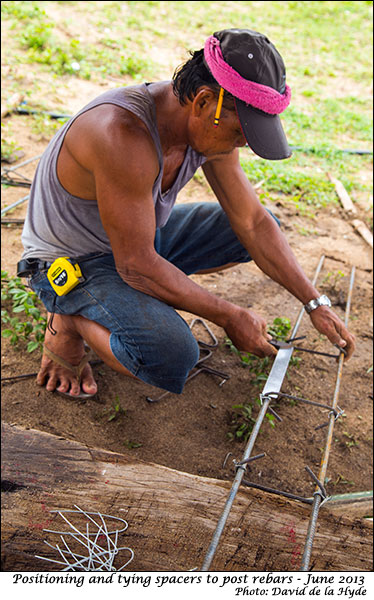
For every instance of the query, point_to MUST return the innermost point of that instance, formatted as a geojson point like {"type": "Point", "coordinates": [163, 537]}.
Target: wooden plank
{"type": "Point", "coordinates": [11, 104]}
{"type": "Point", "coordinates": [363, 231]}
{"type": "Point", "coordinates": [343, 195]}
{"type": "Point", "coordinates": [171, 515]}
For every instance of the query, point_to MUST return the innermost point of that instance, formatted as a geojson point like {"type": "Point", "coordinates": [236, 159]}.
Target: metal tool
{"type": "Point", "coordinates": [281, 344]}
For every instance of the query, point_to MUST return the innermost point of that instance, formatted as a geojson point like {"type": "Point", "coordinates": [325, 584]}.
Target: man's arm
{"type": "Point", "coordinates": [266, 244]}
{"type": "Point", "coordinates": [123, 161]}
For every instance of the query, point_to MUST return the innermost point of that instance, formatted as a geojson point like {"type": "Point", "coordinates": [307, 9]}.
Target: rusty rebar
{"type": "Point", "coordinates": [325, 457]}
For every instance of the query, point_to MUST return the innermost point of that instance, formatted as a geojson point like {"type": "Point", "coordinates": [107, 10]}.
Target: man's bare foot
{"type": "Point", "coordinates": [67, 344]}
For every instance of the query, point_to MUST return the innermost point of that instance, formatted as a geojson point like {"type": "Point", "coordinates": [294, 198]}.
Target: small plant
{"type": "Point", "coordinates": [44, 126]}
{"type": "Point", "coordinates": [36, 35]}
{"type": "Point", "coordinates": [351, 440]}
{"type": "Point", "coordinates": [9, 150]}
{"type": "Point", "coordinates": [332, 280]}
{"type": "Point", "coordinates": [241, 422]}
{"type": "Point", "coordinates": [280, 328]}
{"type": "Point", "coordinates": [115, 411]}
{"type": "Point", "coordinates": [341, 479]}
{"type": "Point", "coordinates": [130, 445]}
{"type": "Point", "coordinates": [271, 419]}
{"type": "Point", "coordinates": [17, 299]}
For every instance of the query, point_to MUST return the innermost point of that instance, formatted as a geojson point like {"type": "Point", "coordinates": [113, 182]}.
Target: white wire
{"type": "Point", "coordinates": [98, 558]}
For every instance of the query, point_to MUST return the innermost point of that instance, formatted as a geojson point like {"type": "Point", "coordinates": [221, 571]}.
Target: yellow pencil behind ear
{"type": "Point", "coordinates": [219, 107]}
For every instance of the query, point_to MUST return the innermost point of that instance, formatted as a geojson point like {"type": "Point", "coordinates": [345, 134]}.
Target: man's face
{"type": "Point", "coordinates": [210, 140]}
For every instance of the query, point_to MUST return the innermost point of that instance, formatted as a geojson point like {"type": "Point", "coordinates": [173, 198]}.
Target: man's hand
{"type": "Point", "coordinates": [247, 331]}
{"type": "Point", "coordinates": [328, 323]}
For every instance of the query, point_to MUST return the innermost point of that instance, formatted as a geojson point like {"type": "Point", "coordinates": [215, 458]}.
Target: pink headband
{"type": "Point", "coordinates": [260, 96]}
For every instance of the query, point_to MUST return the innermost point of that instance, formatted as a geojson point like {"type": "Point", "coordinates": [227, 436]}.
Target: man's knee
{"type": "Point", "coordinates": [178, 354]}
{"type": "Point", "coordinates": [164, 358]}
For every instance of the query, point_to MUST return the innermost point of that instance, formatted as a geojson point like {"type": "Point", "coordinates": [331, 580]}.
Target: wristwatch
{"type": "Point", "coordinates": [316, 302]}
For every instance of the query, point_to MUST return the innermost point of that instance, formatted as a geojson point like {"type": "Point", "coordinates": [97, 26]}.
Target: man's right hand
{"type": "Point", "coordinates": [248, 332]}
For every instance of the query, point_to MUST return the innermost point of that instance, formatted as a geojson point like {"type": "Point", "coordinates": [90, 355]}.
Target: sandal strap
{"type": "Point", "coordinates": [76, 369]}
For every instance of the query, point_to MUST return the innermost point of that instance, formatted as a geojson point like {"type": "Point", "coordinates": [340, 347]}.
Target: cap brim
{"type": "Point", "coordinates": [263, 132]}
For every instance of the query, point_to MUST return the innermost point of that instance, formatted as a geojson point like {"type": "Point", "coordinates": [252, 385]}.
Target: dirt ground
{"type": "Point", "coordinates": [189, 432]}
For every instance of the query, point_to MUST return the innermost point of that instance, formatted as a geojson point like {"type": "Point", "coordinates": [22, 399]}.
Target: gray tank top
{"type": "Point", "coordinates": [59, 224]}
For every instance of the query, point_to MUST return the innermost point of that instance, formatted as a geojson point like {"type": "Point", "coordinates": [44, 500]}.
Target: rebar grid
{"type": "Point", "coordinates": [270, 392]}
{"type": "Point", "coordinates": [97, 556]}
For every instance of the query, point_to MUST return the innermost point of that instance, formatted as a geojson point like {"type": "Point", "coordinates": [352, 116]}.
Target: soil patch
{"type": "Point", "coordinates": [188, 432]}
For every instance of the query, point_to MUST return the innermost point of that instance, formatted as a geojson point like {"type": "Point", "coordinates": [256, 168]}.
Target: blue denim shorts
{"type": "Point", "coordinates": [147, 336]}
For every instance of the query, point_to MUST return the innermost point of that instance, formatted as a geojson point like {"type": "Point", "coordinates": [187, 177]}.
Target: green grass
{"type": "Point", "coordinates": [326, 47]}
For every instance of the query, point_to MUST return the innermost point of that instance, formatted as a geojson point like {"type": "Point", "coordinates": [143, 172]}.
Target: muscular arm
{"type": "Point", "coordinates": [123, 160]}
{"type": "Point", "coordinates": [265, 242]}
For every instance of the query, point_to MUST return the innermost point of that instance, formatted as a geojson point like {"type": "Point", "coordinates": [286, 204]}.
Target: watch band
{"type": "Point", "coordinates": [316, 302]}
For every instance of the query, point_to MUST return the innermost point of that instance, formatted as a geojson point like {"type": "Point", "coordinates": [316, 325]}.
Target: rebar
{"type": "Point", "coordinates": [22, 164]}
{"type": "Point", "coordinates": [325, 457]}
{"type": "Point", "coordinates": [277, 372]}
{"type": "Point", "coordinates": [17, 203]}
{"type": "Point", "coordinates": [278, 492]}
{"type": "Point", "coordinates": [98, 557]}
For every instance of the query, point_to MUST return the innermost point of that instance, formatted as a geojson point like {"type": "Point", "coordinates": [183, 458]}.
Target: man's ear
{"type": "Point", "coordinates": [204, 99]}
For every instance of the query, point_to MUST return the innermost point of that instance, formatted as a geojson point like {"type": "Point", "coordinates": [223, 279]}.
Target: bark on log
{"type": "Point", "coordinates": [171, 515]}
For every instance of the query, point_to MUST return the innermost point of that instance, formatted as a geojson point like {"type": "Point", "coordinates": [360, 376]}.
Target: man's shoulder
{"type": "Point", "coordinates": [108, 129]}
{"type": "Point", "coordinates": [109, 118]}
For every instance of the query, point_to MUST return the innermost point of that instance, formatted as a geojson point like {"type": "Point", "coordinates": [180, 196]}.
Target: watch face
{"type": "Point", "coordinates": [325, 300]}
{"type": "Point", "coordinates": [316, 302]}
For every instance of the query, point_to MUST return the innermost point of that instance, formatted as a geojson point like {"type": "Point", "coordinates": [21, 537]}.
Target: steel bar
{"type": "Point", "coordinates": [16, 377]}
{"type": "Point", "coordinates": [278, 492]}
{"type": "Point", "coordinates": [245, 462]}
{"type": "Point", "coordinates": [12, 221]}
{"type": "Point", "coordinates": [210, 332]}
{"type": "Point", "coordinates": [234, 489]}
{"type": "Point", "coordinates": [21, 201]}
{"type": "Point", "coordinates": [301, 349]}
{"type": "Point", "coordinates": [30, 111]}
{"type": "Point", "coordinates": [324, 461]}
{"type": "Point", "coordinates": [93, 363]}
{"type": "Point", "coordinates": [18, 181]}
{"type": "Point", "coordinates": [305, 400]}
{"type": "Point", "coordinates": [22, 164]}
{"type": "Point", "coordinates": [273, 384]}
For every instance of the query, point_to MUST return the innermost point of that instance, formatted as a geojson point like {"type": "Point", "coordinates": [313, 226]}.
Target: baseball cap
{"type": "Point", "coordinates": [246, 64]}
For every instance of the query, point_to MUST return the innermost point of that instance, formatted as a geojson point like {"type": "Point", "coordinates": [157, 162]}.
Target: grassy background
{"type": "Point", "coordinates": [327, 48]}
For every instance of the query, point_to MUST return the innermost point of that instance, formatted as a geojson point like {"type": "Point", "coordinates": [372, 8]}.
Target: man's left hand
{"type": "Point", "coordinates": [328, 323]}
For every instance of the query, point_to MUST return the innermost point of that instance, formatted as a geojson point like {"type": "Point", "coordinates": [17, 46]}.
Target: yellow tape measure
{"type": "Point", "coordinates": [63, 275]}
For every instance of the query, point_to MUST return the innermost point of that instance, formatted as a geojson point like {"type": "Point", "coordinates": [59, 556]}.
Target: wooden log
{"type": "Point", "coordinates": [171, 515]}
